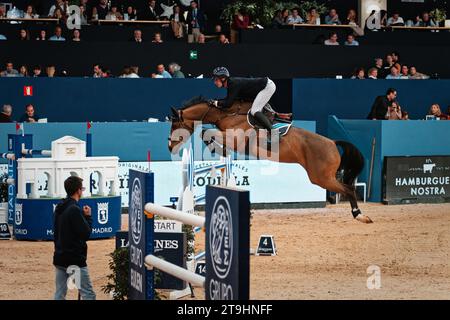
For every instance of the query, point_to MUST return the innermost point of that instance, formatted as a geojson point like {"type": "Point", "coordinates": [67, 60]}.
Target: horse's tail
{"type": "Point", "coordinates": [352, 162]}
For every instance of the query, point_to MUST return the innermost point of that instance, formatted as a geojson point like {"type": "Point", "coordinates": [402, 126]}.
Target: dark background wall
{"type": "Point", "coordinates": [282, 62]}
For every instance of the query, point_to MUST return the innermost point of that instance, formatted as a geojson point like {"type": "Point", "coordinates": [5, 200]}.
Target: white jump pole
{"type": "Point", "coordinates": [175, 270]}
{"type": "Point", "coordinates": [170, 213]}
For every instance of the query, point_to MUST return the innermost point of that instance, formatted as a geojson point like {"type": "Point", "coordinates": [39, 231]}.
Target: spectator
{"type": "Point", "coordinates": [379, 67]}
{"type": "Point", "coordinates": [83, 15]}
{"type": "Point", "coordinates": [177, 22]}
{"type": "Point", "coordinates": [175, 70]}
{"type": "Point", "coordinates": [352, 18]}
{"type": "Point", "coordinates": [395, 20]}
{"type": "Point", "coordinates": [294, 18]}
{"type": "Point", "coordinates": [332, 40]}
{"type": "Point", "coordinates": [223, 39]}
{"type": "Point", "coordinates": [29, 115]}
{"type": "Point", "coordinates": [280, 18]}
{"type": "Point", "coordinates": [58, 35]}
{"type": "Point", "coordinates": [51, 71]}
{"type": "Point", "coordinates": [24, 35]}
{"type": "Point", "coordinates": [388, 65]}
{"type": "Point", "coordinates": [405, 115]}
{"type": "Point", "coordinates": [76, 35]}
{"type": "Point", "coordinates": [381, 104]}
{"type": "Point", "coordinates": [137, 36]}
{"type": "Point", "coordinates": [372, 73]}
{"type": "Point", "coordinates": [131, 14]}
{"type": "Point", "coordinates": [394, 111]}
{"type": "Point", "coordinates": [351, 41]}
{"type": "Point", "coordinates": [313, 17]}
{"type": "Point", "coordinates": [37, 72]}
{"type": "Point", "coordinates": [201, 38]}
{"type": "Point", "coordinates": [114, 14]}
{"type": "Point", "coordinates": [72, 228]}
{"type": "Point", "coordinates": [30, 13]}
{"type": "Point", "coordinates": [195, 21]}
{"type": "Point", "coordinates": [241, 20]}
{"type": "Point", "coordinates": [23, 71]}
{"type": "Point", "coordinates": [42, 35]}
{"type": "Point", "coordinates": [129, 72]}
{"type": "Point", "coordinates": [383, 18]}
{"type": "Point", "coordinates": [59, 14]}
{"type": "Point", "coordinates": [161, 72]}
{"type": "Point", "coordinates": [100, 11]}
{"type": "Point", "coordinates": [394, 75]}
{"type": "Point", "coordinates": [426, 21]}
{"type": "Point", "coordinates": [435, 110]}
{"type": "Point", "coordinates": [149, 12]}
{"type": "Point", "coordinates": [98, 71]}
{"type": "Point", "coordinates": [2, 11]}
{"type": "Point", "coordinates": [332, 17]}
{"type": "Point", "coordinates": [396, 60]}
{"type": "Point", "coordinates": [413, 74]}
{"type": "Point", "coordinates": [59, 4]}
{"type": "Point", "coordinates": [5, 115]}
{"type": "Point", "coordinates": [359, 74]}
{"type": "Point", "coordinates": [9, 71]}
{"type": "Point", "coordinates": [134, 72]}
{"type": "Point", "coordinates": [157, 38]}
{"type": "Point", "coordinates": [404, 72]}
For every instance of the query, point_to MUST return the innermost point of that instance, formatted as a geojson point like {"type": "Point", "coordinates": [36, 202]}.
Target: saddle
{"type": "Point", "coordinates": [281, 122]}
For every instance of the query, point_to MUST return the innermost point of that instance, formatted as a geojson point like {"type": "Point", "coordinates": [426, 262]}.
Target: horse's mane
{"type": "Point", "coordinates": [193, 101]}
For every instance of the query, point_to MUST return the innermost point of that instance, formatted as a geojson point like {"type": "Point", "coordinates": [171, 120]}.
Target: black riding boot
{"type": "Point", "coordinates": [265, 122]}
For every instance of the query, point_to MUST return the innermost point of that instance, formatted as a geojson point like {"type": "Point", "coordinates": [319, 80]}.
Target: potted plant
{"type": "Point", "coordinates": [439, 15]}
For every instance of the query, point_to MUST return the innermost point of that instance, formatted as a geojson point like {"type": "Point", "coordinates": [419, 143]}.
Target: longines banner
{"type": "Point", "coordinates": [268, 182]}
{"type": "Point", "coordinates": [417, 178]}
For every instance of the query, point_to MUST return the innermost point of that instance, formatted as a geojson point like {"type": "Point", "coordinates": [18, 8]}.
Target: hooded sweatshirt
{"type": "Point", "coordinates": [71, 231]}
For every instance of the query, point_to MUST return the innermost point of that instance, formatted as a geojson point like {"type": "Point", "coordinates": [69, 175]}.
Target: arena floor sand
{"type": "Point", "coordinates": [322, 254]}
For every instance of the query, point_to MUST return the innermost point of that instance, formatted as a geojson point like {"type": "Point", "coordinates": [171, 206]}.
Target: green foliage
{"type": "Point", "coordinates": [439, 14]}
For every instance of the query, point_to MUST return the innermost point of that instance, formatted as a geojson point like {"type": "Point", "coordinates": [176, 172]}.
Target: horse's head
{"type": "Point", "coordinates": [184, 120]}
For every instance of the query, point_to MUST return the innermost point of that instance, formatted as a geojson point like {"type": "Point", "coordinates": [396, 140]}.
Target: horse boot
{"type": "Point", "coordinates": [265, 122]}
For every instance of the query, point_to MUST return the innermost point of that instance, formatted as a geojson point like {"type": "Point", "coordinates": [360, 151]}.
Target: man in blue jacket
{"type": "Point", "coordinates": [72, 228]}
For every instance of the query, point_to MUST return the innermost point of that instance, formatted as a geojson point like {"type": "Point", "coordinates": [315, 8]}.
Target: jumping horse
{"type": "Point", "coordinates": [319, 155]}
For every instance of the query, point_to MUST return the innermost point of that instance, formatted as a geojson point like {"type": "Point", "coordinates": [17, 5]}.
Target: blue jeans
{"type": "Point", "coordinates": [82, 282]}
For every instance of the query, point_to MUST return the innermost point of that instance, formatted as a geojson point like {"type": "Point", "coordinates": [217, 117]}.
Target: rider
{"type": "Point", "coordinates": [258, 90]}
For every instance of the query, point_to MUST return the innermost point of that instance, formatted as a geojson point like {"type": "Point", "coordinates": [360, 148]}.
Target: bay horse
{"type": "Point", "coordinates": [319, 155]}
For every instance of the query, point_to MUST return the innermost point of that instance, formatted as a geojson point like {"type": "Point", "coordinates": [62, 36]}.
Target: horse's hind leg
{"type": "Point", "coordinates": [334, 185]}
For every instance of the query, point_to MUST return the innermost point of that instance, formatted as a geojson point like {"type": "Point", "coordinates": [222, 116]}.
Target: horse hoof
{"type": "Point", "coordinates": [363, 218]}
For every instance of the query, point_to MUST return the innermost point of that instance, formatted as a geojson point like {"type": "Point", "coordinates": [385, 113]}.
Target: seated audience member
{"type": "Point", "coordinates": [42, 35]}
{"type": "Point", "coordinates": [114, 14]}
{"type": "Point", "coordinates": [161, 72]}
{"type": "Point", "coordinates": [218, 30]}
{"type": "Point", "coordinates": [294, 18]}
{"type": "Point", "coordinates": [280, 18]}
{"type": "Point", "coordinates": [351, 17]}
{"type": "Point", "coordinates": [372, 73]}
{"type": "Point", "coordinates": [177, 22]}
{"type": "Point", "coordinates": [9, 71]}
{"type": "Point", "coordinates": [37, 72]}
{"type": "Point", "coordinates": [131, 14]}
{"type": "Point", "coordinates": [405, 115]}
{"type": "Point", "coordinates": [426, 21]}
{"type": "Point", "coordinates": [23, 71]}
{"type": "Point", "coordinates": [29, 115]}
{"type": "Point", "coordinates": [150, 12]}
{"type": "Point", "coordinates": [24, 35]}
{"type": "Point", "coordinates": [5, 115]}
{"type": "Point", "coordinates": [359, 74]}
{"type": "Point", "coordinates": [388, 64]}
{"type": "Point", "coordinates": [30, 13]}
{"type": "Point", "coordinates": [98, 71]}
{"type": "Point", "coordinates": [100, 11]}
{"type": "Point", "coordinates": [379, 66]}
{"type": "Point", "coordinates": [83, 15]}
{"type": "Point", "coordinates": [413, 74]}
{"type": "Point", "coordinates": [241, 20]}
{"type": "Point", "coordinates": [396, 60]}
{"type": "Point", "coordinates": [129, 72]}
{"type": "Point", "coordinates": [394, 75]}
{"type": "Point", "coordinates": [58, 35]}
{"type": "Point", "coordinates": [405, 72]}
{"type": "Point", "coordinates": [201, 38]}
{"type": "Point", "coordinates": [175, 70]}
{"type": "Point", "coordinates": [59, 14]}
{"type": "Point", "coordinates": [137, 36]}
{"type": "Point", "coordinates": [381, 104]}
{"type": "Point", "coordinates": [351, 41]}
{"type": "Point", "coordinates": [134, 72]}
{"type": "Point", "coordinates": [51, 71]}
{"type": "Point", "coordinates": [157, 38]}
{"type": "Point", "coordinates": [76, 35]}
{"type": "Point", "coordinates": [313, 17]}
{"type": "Point", "coordinates": [394, 111]}
{"type": "Point", "coordinates": [435, 110]}
{"type": "Point", "coordinates": [332, 17]}
{"type": "Point", "coordinates": [332, 40]}
{"type": "Point", "coordinates": [59, 4]}
{"type": "Point", "coordinates": [223, 39]}
{"type": "Point", "coordinates": [395, 20]}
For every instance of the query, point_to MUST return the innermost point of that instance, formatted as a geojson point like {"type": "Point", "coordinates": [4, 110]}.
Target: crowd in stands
{"type": "Point", "coordinates": [391, 68]}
